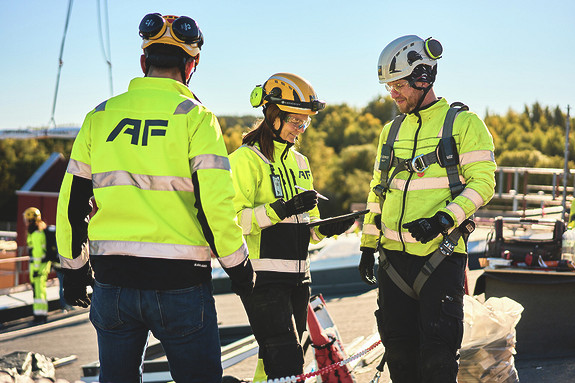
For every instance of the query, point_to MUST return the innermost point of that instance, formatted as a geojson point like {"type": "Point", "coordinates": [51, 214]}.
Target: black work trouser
{"type": "Point", "coordinates": [278, 317]}
{"type": "Point", "coordinates": [422, 337]}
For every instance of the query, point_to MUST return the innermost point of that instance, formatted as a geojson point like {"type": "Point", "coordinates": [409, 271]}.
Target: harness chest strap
{"type": "Point", "coordinates": [445, 155]}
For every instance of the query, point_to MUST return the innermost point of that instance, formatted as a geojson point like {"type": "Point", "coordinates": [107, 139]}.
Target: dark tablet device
{"type": "Point", "coordinates": [338, 218]}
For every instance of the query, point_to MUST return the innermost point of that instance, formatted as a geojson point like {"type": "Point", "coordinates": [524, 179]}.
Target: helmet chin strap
{"type": "Point", "coordinates": [425, 91]}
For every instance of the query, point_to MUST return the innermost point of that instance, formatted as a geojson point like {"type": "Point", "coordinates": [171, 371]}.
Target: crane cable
{"type": "Point", "coordinates": [106, 52]}
{"type": "Point", "coordinates": [52, 122]}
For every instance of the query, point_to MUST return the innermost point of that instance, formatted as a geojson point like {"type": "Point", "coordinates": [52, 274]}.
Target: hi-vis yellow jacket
{"type": "Point", "coordinates": [278, 249]}
{"type": "Point", "coordinates": [412, 196]}
{"type": "Point", "coordinates": [161, 181]}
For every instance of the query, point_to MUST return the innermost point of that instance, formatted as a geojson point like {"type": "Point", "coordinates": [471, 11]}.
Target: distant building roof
{"type": "Point", "coordinates": [48, 177]}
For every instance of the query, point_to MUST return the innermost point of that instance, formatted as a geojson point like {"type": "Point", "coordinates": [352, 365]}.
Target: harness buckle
{"type": "Point", "coordinates": [418, 164]}
{"type": "Point", "coordinates": [447, 246]}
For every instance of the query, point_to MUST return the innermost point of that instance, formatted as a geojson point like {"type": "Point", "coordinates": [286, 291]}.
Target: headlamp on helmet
{"type": "Point", "coordinates": [291, 93]}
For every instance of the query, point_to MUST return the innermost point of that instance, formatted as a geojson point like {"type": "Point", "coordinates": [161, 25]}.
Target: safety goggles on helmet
{"type": "Point", "coordinates": [297, 123]}
{"type": "Point", "coordinates": [181, 31]}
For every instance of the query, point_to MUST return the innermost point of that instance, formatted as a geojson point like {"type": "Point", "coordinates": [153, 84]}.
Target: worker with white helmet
{"type": "Point", "coordinates": [273, 211]}
{"type": "Point", "coordinates": [434, 168]}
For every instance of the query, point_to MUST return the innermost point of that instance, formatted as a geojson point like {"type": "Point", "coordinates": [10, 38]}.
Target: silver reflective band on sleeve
{"type": "Point", "coordinates": [186, 106]}
{"type": "Point", "coordinates": [473, 196]}
{"type": "Point", "coordinates": [394, 235]}
{"type": "Point", "coordinates": [209, 161]}
{"type": "Point", "coordinates": [423, 183]}
{"type": "Point", "coordinates": [457, 211]}
{"type": "Point", "coordinates": [235, 258]}
{"type": "Point", "coordinates": [476, 156]}
{"type": "Point", "coordinates": [76, 263]}
{"type": "Point", "coordinates": [151, 250]}
{"type": "Point", "coordinates": [79, 169]}
{"type": "Point", "coordinates": [37, 259]}
{"type": "Point", "coordinates": [280, 265]}
{"type": "Point", "coordinates": [374, 207]}
{"type": "Point", "coordinates": [142, 181]}
{"type": "Point", "coordinates": [262, 217]}
{"type": "Point", "coordinates": [300, 218]}
{"type": "Point", "coordinates": [313, 234]}
{"type": "Point", "coordinates": [371, 229]}
{"type": "Point", "coordinates": [246, 221]}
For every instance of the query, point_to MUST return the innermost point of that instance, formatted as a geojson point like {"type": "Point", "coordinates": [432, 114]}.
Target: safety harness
{"type": "Point", "coordinates": [446, 155]}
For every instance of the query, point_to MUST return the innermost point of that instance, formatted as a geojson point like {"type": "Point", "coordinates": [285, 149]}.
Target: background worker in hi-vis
{"type": "Point", "coordinates": [39, 265]}
{"type": "Point", "coordinates": [155, 161]}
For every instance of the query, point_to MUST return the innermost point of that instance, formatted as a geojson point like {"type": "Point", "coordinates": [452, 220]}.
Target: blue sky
{"type": "Point", "coordinates": [497, 54]}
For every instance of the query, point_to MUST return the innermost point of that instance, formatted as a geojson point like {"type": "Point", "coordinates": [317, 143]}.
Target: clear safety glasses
{"type": "Point", "coordinates": [183, 29]}
{"type": "Point", "coordinates": [296, 122]}
{"type": "Point", "coordinates": [398, 87]}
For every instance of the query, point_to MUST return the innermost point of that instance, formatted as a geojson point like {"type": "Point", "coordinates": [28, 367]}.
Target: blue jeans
{"type": "Point", "coordinates": [184, 321]}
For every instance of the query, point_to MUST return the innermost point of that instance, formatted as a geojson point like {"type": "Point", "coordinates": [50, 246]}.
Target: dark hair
{"type": "Point", "coordinates": [263, 131]}
{"type": "Point", "coordinates": [165, 56]}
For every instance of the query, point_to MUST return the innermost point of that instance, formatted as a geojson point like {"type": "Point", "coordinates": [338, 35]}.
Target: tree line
{"type": "Point", "coordinates": [340, 144]}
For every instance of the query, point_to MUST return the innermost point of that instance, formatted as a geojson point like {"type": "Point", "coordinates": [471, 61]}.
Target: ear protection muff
{"type": "Point", "coordinates": [433, 48]}
{"type": "Point", "coordinates": [259, 95]}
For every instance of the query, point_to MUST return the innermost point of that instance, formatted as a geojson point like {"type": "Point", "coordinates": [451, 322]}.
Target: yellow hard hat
{"type": "Point", "coordinates": [32, 214]}
{"type": "Point", "coordinates": [291, 93]}
{"type": "Point", "coordinates": [180, 31]}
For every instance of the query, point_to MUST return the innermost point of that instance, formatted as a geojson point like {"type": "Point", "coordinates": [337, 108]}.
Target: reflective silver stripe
{"type": "Point", "coordinates": [257, 151]}
{"type": "Point", "coordinates": [209, 161]}
{"type": "Point", "coordinates": [186, 106]}
{"type": "Point", "coordinates": [313, 234]}
{"type": "Point", "coordinates": [473, 196]}
{"type": "Point", "coordinates": [235, 258]}
{"type": "Point", "coordinates": [457, 211]}
{"type": "Point", "coordinates": [79, 169]}
{"type": "Point", "coordinates": [423, 183]}
{"type": "Point", "coordinates": [374, 207]}
{"type": "Point", "coordinates": [394, 235]}
{"type": "Point", "coordinates": [262, 217]}
{"type": "Point", "coordinates": [370, 228]}
{"type": "Point", "coordinates": [76, 263]}
{"type": "Point", "coordinates": [300, 218]}
{"type": "Point", "coordinates": [476, 156]}
{"type": "Point", "coordinates": [37, 259]}
{"type": "Point", "coordinates": [280, 265]}
{"type": "Point", "coordinates": [293, 85]}
{"type": "Point", "coordinates": [246, 221]}
{"type": "Point", "coordinates": [142, 181]}
{"type": "Point", "coordinates": [101, 107]}
{"type": "Point", "coordinates": [300, 159]}
{"type": "Point", "coordinates": [151, 250]}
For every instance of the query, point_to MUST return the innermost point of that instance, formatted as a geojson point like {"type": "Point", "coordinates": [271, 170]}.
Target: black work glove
{"type": "Point", "coordinates": [300, 203]}
{"type": "Point", "coordinates": [336, 228]}
{"type": "Point", "coordinates": [75, 283]}
{"type": "Point", "coordinates": [377, 221]}
{"type": "Point", "coordinates": [366, 265]}
{"type": "Point", "coordinates": [426, 229]}
{"type": "Point", "coordinates": [35, 274]}
{"type": "Point", "coordinates": [243, 278]}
